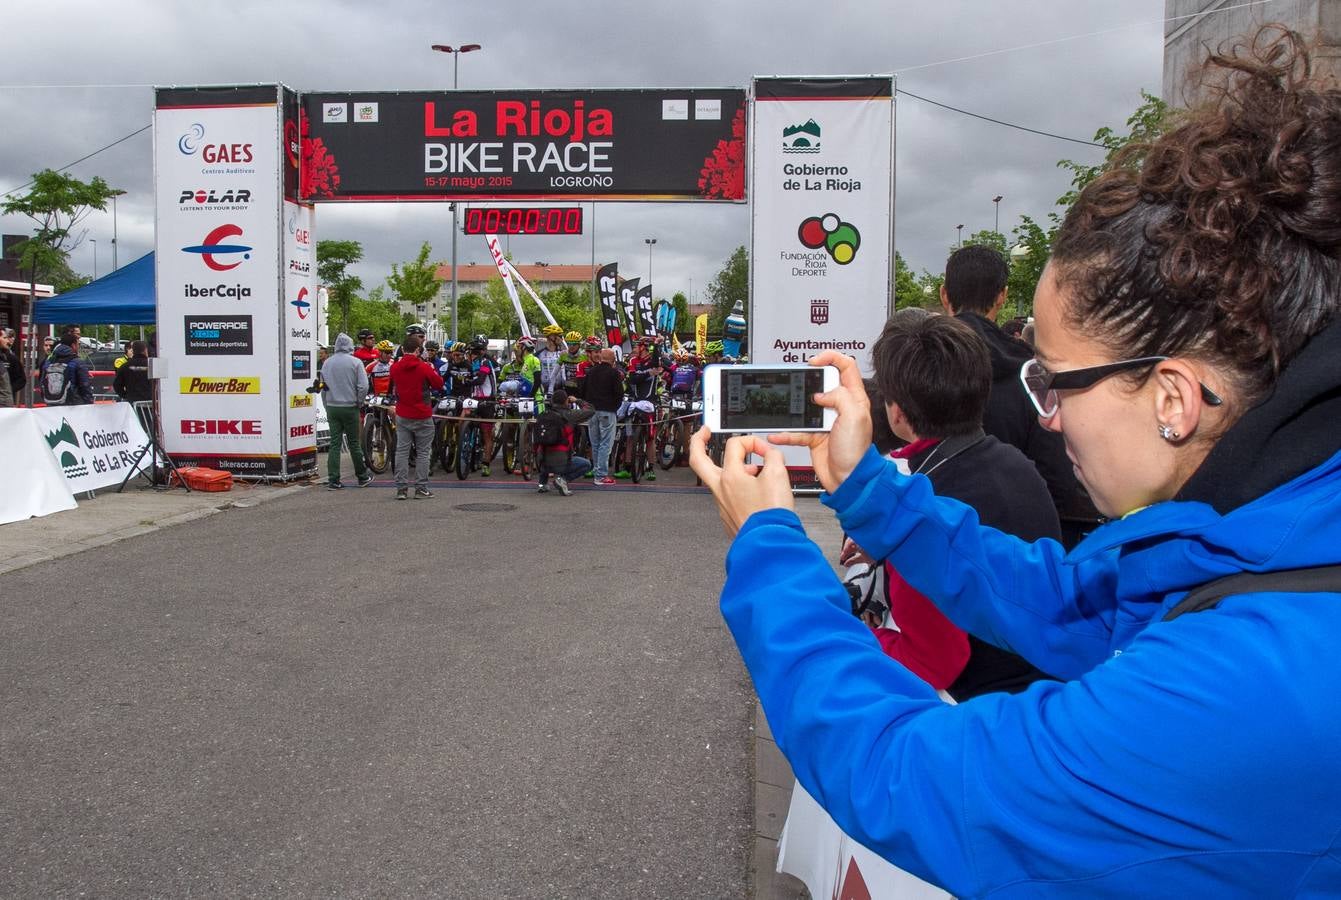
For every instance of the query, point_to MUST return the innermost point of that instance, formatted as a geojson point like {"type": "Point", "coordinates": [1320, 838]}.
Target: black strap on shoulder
{"type": "Point", "coordinates": [1323, 579]}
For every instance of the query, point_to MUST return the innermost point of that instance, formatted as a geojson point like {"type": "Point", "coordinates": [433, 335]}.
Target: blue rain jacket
{"type": "Point", "coordinates": [1194, 758]}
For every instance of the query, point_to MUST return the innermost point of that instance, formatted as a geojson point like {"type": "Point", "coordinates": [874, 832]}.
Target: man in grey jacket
{"type": "Point", "coordinates": [344, 385]}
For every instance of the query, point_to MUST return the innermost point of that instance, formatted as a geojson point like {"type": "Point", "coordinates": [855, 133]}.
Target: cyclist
{"type": "Point", "coordinates": [521, 376]}
{"type": "Point", "coordinates": [551, 354]}
{"type": "Point", "coordinates": [379, 370]}
{"type": "Point", "coordinates": [569, 363]}
{"type": "Point", "coordinates": [432, 354]}
{"type": "Point", "coordinates": [484, 386]}
{"type": "Point", "coordinates": [684, 374]}
{"type": "Point", "coordinates": [460, 377]}
{"type": "Point", "coordinates": [366, 351]}
{"type": "Point", "coordinates": [640, 391]}
{"type": "Point", "coordinates": [411, 331]}
{"type": "Point", "coordinates": [644, 357]}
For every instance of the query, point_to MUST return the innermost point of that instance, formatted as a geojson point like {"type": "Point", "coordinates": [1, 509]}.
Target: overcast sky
{"type": "Point", "coordinates": [75, 76]}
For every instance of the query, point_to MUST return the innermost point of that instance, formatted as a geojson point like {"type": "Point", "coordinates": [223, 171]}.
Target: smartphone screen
{"type": "Point", "coordinates": [780, 399]}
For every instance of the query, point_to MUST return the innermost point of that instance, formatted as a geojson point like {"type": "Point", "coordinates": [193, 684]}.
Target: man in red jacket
{"type": "Point", "coordinates": [413, 380]}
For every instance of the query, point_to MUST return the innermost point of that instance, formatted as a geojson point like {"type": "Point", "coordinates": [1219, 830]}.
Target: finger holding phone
{"type": "Point", "coordinates": [836, 452]}
{"type": "Point", "coordinates": [742, 489]}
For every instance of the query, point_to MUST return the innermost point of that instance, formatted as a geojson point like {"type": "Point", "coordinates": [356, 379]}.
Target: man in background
{"type": "Point", "coordinates": [131, 382]}
{"type": "Point", "coordinates": [11, 368]}
{"type": "Point", "coordinates": [414, 381]}
{"type": "Point", "coordinates": [345, 384]}
{"type": "Point", "coordinates": [604, 390]}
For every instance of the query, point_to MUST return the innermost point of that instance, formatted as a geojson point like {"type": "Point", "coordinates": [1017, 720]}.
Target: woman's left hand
{"type": "Point", "coordinates": [742, 489]}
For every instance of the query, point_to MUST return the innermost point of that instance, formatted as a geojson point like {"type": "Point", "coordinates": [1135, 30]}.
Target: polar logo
{"type": "Point", "coordinates": [189, 142]}
{"type": "Point", "coordinates": [212, 246]}
{"type": "Point", "coordinates": [301, 303]}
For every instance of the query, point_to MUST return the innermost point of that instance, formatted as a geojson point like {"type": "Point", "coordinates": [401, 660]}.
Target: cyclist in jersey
{"type": "Point", "coordinates": [551, 354]}
{"type": "Point", "coordinates": [460, 376]}
{"type": "Point", "coordinates": [379, 370]}
{"type": "Point", "coordinates": [569, 362]}
{"type": "Point", "coordinates": [684, 374]}
{"type": "Point", "coordinates": [644, 357]}
{"type": "Point", "coordinates": [366, 351]}
{"type": "Point", "coordinates": [483, 388]}
{"type": "Point", "coordinates": [640, 391]}
{"type": "Point", "coordinates": [521, 376]}
{"type": "Point", "coordinates": [410, 331]}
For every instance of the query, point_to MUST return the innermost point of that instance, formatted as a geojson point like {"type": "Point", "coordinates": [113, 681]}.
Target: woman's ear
{"type": "Point", "coordinates": [1179, 404]}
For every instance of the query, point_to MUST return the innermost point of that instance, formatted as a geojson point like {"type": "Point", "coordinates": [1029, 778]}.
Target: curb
{"type": "Point", "coordinates": [124, 534]}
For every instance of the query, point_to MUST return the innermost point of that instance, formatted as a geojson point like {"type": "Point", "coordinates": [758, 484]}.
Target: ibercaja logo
{"type": "Point", "coordinates": [838, 238]}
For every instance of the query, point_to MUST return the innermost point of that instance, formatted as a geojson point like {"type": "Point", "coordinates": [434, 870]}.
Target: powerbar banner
{"type": "Point", "coordinates": [605, 279]}
{"type": "Point", "coordinates": [234, 347]}
{"type": "Point", "coordinates": [648, 320]}
{"type": "Point", "coordinates": [671, 144]}
{"type": "Point", "coordinates": [822, 220]}
{"type": "Point", "coordinates": [823, 216]}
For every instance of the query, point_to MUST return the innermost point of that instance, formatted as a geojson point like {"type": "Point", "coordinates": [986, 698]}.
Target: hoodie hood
{"type": "Point", "coordinates": [344, 343]}
{"type": "Point", "coordinates": [63, 353]}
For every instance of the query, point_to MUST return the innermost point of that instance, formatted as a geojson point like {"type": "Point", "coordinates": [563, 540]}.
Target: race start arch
{"type": "Point", "coordinates": [238, 169]}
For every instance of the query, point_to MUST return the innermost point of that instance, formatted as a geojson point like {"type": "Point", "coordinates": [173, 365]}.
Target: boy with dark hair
{"type": "Point", "coordinates": [65, 377]}
{"type": "Point", "coordinates": [973, 292]}
{"type": "Point", "coordinates": [934, 375]}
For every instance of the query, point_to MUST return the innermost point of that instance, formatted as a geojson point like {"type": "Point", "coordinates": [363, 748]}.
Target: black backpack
{"type": "Point", "coordinates": [1323, 579]}
{"type": "Point", "coordinates": [549, 429]}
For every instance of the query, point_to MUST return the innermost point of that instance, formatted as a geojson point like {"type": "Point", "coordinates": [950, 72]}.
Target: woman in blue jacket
{"type": "Point", "coordinates": [1189, 352]}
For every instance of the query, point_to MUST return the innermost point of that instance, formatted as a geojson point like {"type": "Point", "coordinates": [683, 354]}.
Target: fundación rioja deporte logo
{"type": "Point", "coordinates": [838, 238]}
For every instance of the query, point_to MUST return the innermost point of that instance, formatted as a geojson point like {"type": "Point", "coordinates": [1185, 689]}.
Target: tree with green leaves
{"type": "Point", "coordinates": [379, 314]}
{"type": "Point", "coordinates": [333, 260]}
{"type": "Point", "coordinates": [56, 204]}
{"type": "Point", "coordinates": [730, 284]}
{"type": "Point", "coordinates": [681, 304]}
{"type": "Point", "coordinates": [415, 283]}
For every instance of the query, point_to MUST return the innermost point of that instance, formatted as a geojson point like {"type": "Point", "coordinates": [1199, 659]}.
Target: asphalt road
{"type": "Point", "coordinates": [342, 695]}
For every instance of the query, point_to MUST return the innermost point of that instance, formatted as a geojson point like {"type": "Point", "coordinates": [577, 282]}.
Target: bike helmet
{"type": "Point", "coordinates": [365, 333]}
{"type": "Point", "coordinates": [457, 347]}
{"type": "Point", "coordinates": [592, 344]}
{"type": "Point", "coordinates": [526, 341]}
{"type": "Point", "coordinates": [432, 346]}
{"type": "Point", "coordinates": [480, 342]}
{"type": "Point", "coordinates": [729, 360]}
{"type": "Point", "coordinates": [386, 347]}
{"type": "Point", "coordinates": [689, 346]}
{"type": "Point", "coordinates": [551, 329]}
{"type": "Point", "coordinates": [573, 337]}
{"type": "Point", "coordinates": [414, 329]}
{"type": "Point", "coordinates": [647, 340]}
{"type": "Point", "coordinates": [713, 347]}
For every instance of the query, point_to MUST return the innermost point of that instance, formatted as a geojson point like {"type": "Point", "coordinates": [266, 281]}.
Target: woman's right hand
{"type": "Point", "coordinates": [834, 454]}
{"type": "Point", "coordinates": [852, 555]}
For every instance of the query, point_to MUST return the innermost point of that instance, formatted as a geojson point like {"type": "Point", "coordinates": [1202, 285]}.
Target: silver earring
{"type": "Point", "coordinates": [1168, 433]}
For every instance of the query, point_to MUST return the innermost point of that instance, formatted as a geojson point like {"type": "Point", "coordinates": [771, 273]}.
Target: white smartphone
{"type": "Point", "coordinates": [759, 398]}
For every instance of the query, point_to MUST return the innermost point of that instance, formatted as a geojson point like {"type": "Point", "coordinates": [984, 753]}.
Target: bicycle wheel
{"type": "Point", "coordinates": [638, 446]}
{"type": "Point", "coordinates": [376, 447]}
{"type": "Point", "coordinates": [509, 437]}
{"type": "Point", "coordinates": [667, 450]}
{"type": "Point", "coordinates": [525, 453]}
{"type": "Point", "coordinates": [448, 443]}
{"type": "Point", "coordinates": [466, 449]}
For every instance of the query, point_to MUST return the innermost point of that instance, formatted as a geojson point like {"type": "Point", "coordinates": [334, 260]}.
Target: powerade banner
{"type": "Point", "coordinates": [605, 279]}
{"type": "Point", "coordinates": [648, 324]}
{"type": "Point", "coordinates": [224, 309]}
{"type": "Point", "coordinates": [671, 144]}
{"type": "Point", "coordinates": [823, 217]}
{"type": "Point", "coordinates": [628, 301]}
{"type": "Point", "coordinates": [822, 207]}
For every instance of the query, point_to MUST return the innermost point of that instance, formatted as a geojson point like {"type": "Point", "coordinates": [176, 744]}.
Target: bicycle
{"type": "Point", "coordinates": [641, 423]}
{"type": "Point", "coordinates": [470, 447]}
{"type": "Point", "coordinates": [379, 433]}
{"type": "Point", "coordinates": [518, 451]}
{"type": "Point", "coordinates": [447, 435]}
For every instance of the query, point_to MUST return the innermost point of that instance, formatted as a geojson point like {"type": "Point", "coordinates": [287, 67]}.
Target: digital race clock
{"type": "Point", "coordinates": [524, 220]}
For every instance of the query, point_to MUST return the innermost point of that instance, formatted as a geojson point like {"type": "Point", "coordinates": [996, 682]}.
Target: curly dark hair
{"type": "Point", "coordinates": [1221, 239]}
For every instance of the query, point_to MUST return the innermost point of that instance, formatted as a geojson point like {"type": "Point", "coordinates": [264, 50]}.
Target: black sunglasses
{"type": "Point", "coordinates": [1042, 386]}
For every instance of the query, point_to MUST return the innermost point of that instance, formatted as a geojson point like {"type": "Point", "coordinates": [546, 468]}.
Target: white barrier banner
{"type": "Point", "coordinates": [832, 864]}
{"type": "Point", "coordinates": [31, 483]}
{"type": "Point", "coordinates": [94, 446]}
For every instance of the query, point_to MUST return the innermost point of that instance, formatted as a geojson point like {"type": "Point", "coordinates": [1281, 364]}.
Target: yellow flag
{"type": "Point", "coordinates": [701, 332]}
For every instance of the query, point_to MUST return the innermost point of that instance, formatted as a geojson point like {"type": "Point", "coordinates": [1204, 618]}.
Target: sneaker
{"type": "Point", "coordinates": [484, 471]}
{"type": "Point", "coordinates": [623, 473]}
{"type": "Point", "coordinates": [402, 493]}
{"type": "Point", "coordinates": [650, 476]}
{"type": "Point", "coordinates": [422, 493]}
{"type": "Point", "coordinates": [606, 480]}
{"type": "Point", "coordinates": [544, 488]}
{"type": "Point", "coordinates": [333, 485]}
{"type": "Point", "coordinates": [562, 484]}
{"type": "Point", "coordinates": [589, 473]}
{"type": "Point", "coordinates": [365, 480]}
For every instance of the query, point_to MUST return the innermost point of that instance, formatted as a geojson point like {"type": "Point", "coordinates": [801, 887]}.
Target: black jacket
{"type": "Point", "coordinates": [132, 380]}
{"type": "Point", "coordinates": [1009, 495]}
{"type": "Point", "coordinates": [18, 379]}
{"type": "Point", "coordinates": [1011, 419]}
{"type": "Point", "coordinates": [604, 388]}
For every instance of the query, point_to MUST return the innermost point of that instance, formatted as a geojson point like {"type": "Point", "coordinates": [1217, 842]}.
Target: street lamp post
{"type": "Point", "coordinates": [456, 60]}
{"type": "Point", "coordinates": [996, 202]}
{"type": "Point", "coordinates": [649, 242]}
{"type": "Point", "coordinates": [960, 228]}
{"type": "Point", "coordinates": [94, 242]}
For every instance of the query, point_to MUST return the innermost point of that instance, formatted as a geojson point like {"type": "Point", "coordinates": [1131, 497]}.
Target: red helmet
{"type": "Point", "coordinates": [592, 343]}
{"type": "Point", "coordinates": [526, 341]}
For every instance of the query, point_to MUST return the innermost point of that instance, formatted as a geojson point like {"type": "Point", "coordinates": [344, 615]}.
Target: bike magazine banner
{"type": "Point", "coordinates": [664, 144]}
{"type": "Point", "coordinates": [822, 218]}
{"type": "Point", "coordinates": [606, 278]}
{"type": "Point", "coordinates": [645, 315]}
{"type": "Point", "coordinates": [226, 361]}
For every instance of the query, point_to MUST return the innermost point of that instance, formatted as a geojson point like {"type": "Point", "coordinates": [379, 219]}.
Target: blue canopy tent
{"type": "Point", "coordinates": [125, 297]}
